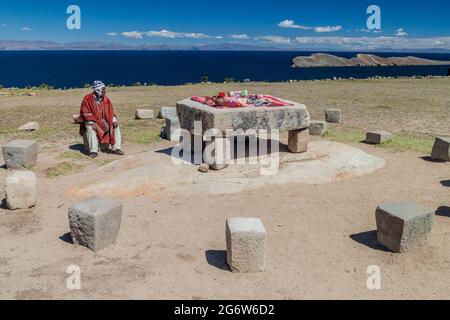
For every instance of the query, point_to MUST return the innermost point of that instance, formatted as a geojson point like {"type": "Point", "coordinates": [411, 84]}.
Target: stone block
{"type": "Point", "coordinates": [298, 141]}
{"type": "Point", "coordinates": [285, 118]}
{"type": "Point", "coordinates": [441, 149]}
{"type": "Point", "coordinates": [95, 222]}
{"type": "Point", "coordinates": [333, 115]}
{"type": "Point", "coordinates": [246, 245]}
{"type": "Point", "coordinates": [403, 225]}
{"type": "Point", "coordinates": [20, 154]}
{"type": "Point", "coordinates": [20, 190]}
{"type": "Point", "coordinates": [378, 137]}
{"type": "Point", "coordinates": [317, 128]}
{"type": "Point", "coordinates": [172, 129]}
{"type": "Point", "coordinates": [167, 112]}
{"type": "Point", "coordinates": [142, 114]}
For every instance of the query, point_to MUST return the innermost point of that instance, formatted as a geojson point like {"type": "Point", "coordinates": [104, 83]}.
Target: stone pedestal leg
{"type": "Point", "coordinates": [218, 153]}
{"type": "Point", "coordinates": [298, 140]}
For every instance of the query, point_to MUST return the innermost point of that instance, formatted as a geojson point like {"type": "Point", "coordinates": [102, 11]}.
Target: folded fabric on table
{"type": "Point", "coordinates": [223, 101]}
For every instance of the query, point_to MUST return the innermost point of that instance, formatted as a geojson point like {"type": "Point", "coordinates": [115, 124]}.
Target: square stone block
{"type": "Point", "coordinates": [285, 118]}
{"type": "Point", "coordinates": [142, 114]}
{"type": "Point", "coordinates": [172, 129]}
{"type": "Point", "coordinates": [378, 137]}
{"type": "Point", "coordinates": [20, 154]}
{"type": "Point", "coordinates": [403, 225]}
{"type": "Point", "coordinates": [167, 112]}
{"type": "Point", "coordinates": [441, 149]}
{"type": "Point", "coordinates": [298, 141]}
{"type": "Point", "coordinates": [246, 245]}
{"type": "Point", "coordinates": [95, 222]}
{"type": "Point", "coordinates": [317, 128]}
{"type": "Point", "coordinates": [20, 190]}
{"type": "Point", "coordinates": [333, 115]}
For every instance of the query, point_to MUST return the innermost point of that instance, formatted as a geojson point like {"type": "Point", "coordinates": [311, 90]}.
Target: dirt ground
{"type": "Point", "coordinates": [321, 238]}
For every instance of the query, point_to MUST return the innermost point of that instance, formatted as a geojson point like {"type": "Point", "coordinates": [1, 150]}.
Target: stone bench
{"type": "Point", "coordinates": [20, 190]}
{"type": "Point", "coordinates": [246, 245]}
{"type": "Point", "coordinates": [20, 154]}
{"type": "Point", "coordinates": [403, 225]}
{"type": "Point", "coordinates": [377, 137]}
{"type": "Point", "coordinates": [441, 149]}
{"type": "Point", "coordinates": [333, 115]}
{"type": "Point", "coordinates": [95, 222]}
{"type": "Point", "coordinates": [317, 128]}
{"type": "Point", "coordinates": [166, 112]}
{"type": "Point", "coordinates": [143, 114]}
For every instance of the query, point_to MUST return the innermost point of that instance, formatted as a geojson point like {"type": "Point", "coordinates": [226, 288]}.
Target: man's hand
{"type": "Point", "coordinates": [116, 125]}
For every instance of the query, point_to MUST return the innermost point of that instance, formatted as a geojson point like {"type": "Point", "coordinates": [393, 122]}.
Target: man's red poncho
{"type": "Point", "coordinates": [102, 115]}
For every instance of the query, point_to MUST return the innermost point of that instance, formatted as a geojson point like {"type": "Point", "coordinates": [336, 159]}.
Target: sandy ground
{"type": "Point", "coordinates": [321, 238]}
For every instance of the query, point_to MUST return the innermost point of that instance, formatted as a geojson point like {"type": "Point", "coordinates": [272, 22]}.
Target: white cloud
{"type": "Point", "coordinates": [4, 25]}
{"type": "Point", "coordinates": [173, 35]}
{"type": "Point", "coordinates": [327, 29]}
{"type": "Point", "coordinates": [26, 29]}
{"type": "Point", "coordinates": [239, 36]}
{"type": "Point", "coordinates": [274, 39]}
{"type": "Point", "coordinates": [133, 34]}
{"type": "Point", "coordinates": [374, 43]}
{"type": "Point", "coordinates": [218, 37]}
{"type": "Point", "coordinates": [112, 34]}
{"type": "Point", "coordinates": [401, 33]}
{"type": "Point", "coordinates": [290, 24]}
{"type": "Point", "coordinates": [165, 34]}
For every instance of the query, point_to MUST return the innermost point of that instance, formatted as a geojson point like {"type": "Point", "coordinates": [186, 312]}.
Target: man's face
{"type": "Point", "coordinates": [104, 92]}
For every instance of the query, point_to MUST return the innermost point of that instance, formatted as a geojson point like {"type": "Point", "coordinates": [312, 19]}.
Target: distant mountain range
{"type": "Point", "coordinates": [361, 60]}
{"type": "Point", "coordinates": [95, 45]}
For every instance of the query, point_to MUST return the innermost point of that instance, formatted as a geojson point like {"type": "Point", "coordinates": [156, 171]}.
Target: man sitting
{"type": "Point", "coordinates": [98, 122]}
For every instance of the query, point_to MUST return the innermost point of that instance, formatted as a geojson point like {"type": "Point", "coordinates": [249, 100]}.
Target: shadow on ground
{"type": "Point", "coordinates": [427, 158]}
{"type": "Point", "coordinates": [217, 258]}
{"type": "Point", "coordinates": [66, 238]}
{"type": "Point", "coordinates": [445, 183]}
{"type": "Point", "coordinates": [369, 239]}
{"type": "Point", "coordinates": [443, 212]}
{"type": "Point", "coordinates": [3, 204]}
{"type": "Point", "coordinates": [261, 149]}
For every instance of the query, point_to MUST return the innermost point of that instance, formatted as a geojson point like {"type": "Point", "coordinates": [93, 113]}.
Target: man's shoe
{"type": "Point", "coordinates": [118, 152]}
{"type": "Point", "coordinates": [93, 155]}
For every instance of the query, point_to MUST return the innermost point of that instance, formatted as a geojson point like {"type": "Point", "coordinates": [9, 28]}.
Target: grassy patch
{"type": "Point", "coordinates": [345, 136]}
{"type": "Point", "coordinates": [408, 142]}
{"type": "Point", "coordinates": [399, 142]}
{"type": "Point", "coordinates": [63, 169]}
{"type": "Point", "coordinates": [72, 155]}
{"type": "Point", "coordinates": [142, 133]}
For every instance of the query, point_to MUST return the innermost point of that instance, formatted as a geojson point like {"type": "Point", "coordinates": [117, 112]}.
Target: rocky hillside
{"type": "Point", "coordinates": [362, 60]}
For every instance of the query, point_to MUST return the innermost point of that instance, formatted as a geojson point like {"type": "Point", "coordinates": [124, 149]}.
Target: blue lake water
{"type": "Point", "coordinates": [75, 68]}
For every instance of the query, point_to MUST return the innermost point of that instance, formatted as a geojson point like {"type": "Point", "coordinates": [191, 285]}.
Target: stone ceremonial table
{"type": "Point", "coordinates": [294, 118]}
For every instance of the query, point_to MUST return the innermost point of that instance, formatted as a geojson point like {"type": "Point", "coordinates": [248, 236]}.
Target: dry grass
{"type": "Point", "coordinates": [410, 107]}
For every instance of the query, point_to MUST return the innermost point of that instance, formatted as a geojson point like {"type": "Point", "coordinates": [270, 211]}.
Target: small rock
{"type": "Point", "coordinates": [31, 126]}
{"type": "Point", "coordinates": [204, 168]}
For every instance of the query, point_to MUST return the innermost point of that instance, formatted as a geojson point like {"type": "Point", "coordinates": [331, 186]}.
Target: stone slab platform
{"type": "Point", "coordinates": [285, 118]}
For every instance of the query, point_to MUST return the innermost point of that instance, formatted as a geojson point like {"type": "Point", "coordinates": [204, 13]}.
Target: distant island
{"type": "Point", "coordinates": [361, 60]}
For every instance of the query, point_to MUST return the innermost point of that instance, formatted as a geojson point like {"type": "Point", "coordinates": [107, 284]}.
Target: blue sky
{"type": "Point", "coordinates": [300, 23]}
